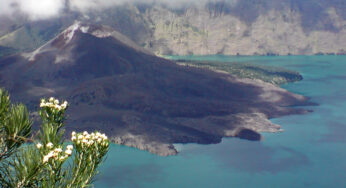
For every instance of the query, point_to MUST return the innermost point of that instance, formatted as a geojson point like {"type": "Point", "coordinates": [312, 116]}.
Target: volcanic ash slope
{"type": "Point", "coordinates": [139, 99]}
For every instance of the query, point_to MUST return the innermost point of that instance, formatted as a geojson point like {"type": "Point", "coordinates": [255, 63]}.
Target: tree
{"type": "Point", "coordinates": [46, 160]}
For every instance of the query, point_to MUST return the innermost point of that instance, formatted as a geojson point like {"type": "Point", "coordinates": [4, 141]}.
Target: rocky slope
{"type": "Point", "coordinates": [229, 27]}
{"type": "Point", "coordinates": [138, 99]}
{"type": "Point", "coordinates": [21, 35]}
{"type": "Point", "coordinates": [271, 27]}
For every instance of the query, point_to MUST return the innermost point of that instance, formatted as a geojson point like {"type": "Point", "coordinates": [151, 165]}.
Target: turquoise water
{"type": "Point", "coordinates": [311, 152]}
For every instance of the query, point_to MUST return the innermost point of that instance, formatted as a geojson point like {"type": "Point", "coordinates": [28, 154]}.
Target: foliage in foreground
{"type": "Point", "coordinates": [48, 161]}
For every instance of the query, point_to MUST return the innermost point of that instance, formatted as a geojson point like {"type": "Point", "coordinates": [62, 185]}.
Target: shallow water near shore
{"type": "Point", "coordinates": [311, 152]}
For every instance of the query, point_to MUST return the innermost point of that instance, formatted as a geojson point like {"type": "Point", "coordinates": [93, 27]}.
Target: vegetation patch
{"type": "Point", "coordinates": [269, 74]}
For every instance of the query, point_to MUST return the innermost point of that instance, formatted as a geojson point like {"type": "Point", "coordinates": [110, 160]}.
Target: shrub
{"type": "Point", "coordinates": [45, 160]}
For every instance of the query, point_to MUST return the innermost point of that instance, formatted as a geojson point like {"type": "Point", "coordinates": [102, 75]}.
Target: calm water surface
{"type": "Point", "coordinates": [311, 152]}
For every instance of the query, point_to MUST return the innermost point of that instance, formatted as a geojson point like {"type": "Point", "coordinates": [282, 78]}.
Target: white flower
{"type": "Point", "coordinates": [62, 158]}
{"type": "Point", "coordinates": [73, 133]}
{"type": "Point", "coordinates": [84, 141]}
{"type": "Point", "coordinates": [55, 155]}
{"type": "Point", "coordinates": [56, 101]}
{"type": "Point", "coordinates": [63, 106]}
{"type": "Point", "coordinates": [50, 154]}
{"type": "Point", "coordinates": [39, 146]}
{"type": "Point", "coordinates": [85, 133]}
{"type": "Point", "coordinates": [45, 159]}
{"type": "Point", "coordinates": [99, 140]}
{"type": "Point", "coordinates": [73, 138]}
{"type": "Point", "coordinates": [69, 147]}
{"type": "Point", "coordinates": [57, 107]}
{"type": "Point", "coordinates": [80, 137]}
{"type": "Point", "coordinates": [68, 152]}
{"type": "Point", "coordinates": [58, 150]}
{"type": "Point", "coordinates": [51, 99]}
{"type": "Point", "coordinates": [50, 145]}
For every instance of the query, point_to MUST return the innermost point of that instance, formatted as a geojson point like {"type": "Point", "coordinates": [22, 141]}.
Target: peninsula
{"type": "Point", "coordinates": [139, 99]}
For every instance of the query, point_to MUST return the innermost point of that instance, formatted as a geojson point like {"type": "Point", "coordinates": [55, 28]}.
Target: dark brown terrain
{"type": "Point", "coordinates": [139, 99]}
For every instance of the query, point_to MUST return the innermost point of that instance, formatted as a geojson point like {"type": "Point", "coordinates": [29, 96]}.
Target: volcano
{"type": "Point", "coordinates": [139, 99]}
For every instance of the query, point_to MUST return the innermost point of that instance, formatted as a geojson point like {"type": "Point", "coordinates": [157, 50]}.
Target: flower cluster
{"type": "Point", "coordinates": [56, 153]}
{"type": "Point", "coordinates": [53, 103]}
{"type": "Point", "coordinates": [86, 140]}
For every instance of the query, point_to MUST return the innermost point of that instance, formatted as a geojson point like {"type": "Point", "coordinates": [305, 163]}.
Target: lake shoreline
{"type": "Point", "coordinates": [249, 125]}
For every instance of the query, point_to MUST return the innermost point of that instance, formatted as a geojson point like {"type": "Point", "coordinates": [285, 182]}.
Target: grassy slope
{"type": "Point", "coordinates": [265, 73]}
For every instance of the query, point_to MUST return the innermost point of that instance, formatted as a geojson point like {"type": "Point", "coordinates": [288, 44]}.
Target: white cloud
{"type": "Point", "coordinates": [86, 5]}
{"type": "Point", "coordinates": [38, 9]}
{"type": "Point", "coordinates": [43, 9]}
{"type": "Point", "coordinates": [34, 9]}
{"type": "Point", "coordinates": [5, 7]}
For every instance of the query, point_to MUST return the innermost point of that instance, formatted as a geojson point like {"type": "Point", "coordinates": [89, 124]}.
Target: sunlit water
{"type": "Point", "coordinates": [311, 152]}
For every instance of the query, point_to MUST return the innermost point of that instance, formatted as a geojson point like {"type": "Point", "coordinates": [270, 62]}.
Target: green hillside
{"type": "Point", "coordinates": [244, 70]}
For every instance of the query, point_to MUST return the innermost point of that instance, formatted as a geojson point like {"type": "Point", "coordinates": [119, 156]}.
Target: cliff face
{"type": "Point", "coordinates": [259, 27]}
{"type": "Point", "coordinates": [229, 27]}
{"type": "Point", "coordinates": [276, 32]}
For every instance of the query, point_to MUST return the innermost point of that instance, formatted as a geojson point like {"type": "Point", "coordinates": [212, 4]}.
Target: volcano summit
{"type": "Point", "coordinates": [139, 99]}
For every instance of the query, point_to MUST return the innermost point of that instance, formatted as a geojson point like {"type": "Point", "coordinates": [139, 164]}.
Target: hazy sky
{"type": "Point", "coordinates": [43, 9]}
{"type": "Point", "coordinates": [35, 9]}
